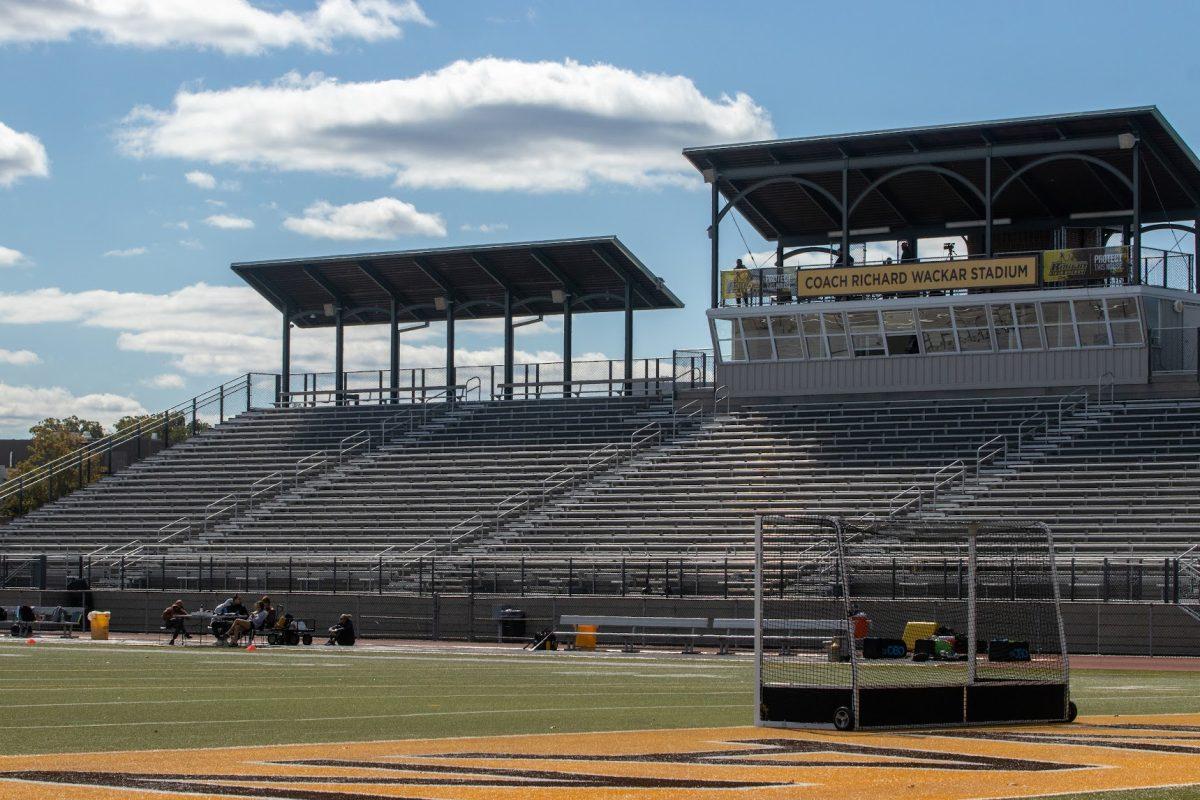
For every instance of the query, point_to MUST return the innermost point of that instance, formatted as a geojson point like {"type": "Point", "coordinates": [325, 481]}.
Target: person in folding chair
{"type": "Point", "coordinates": [173, 617]}
{"type": "Point", "coordinates": [241, 627]}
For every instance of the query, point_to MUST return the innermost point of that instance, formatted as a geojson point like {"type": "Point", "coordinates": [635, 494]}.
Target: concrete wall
{"type": "Point", "coordinates": [1105, 628]}
{"type": "Point", "coordinates": [1060, 368]}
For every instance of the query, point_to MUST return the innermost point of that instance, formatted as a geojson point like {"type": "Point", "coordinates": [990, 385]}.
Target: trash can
{"type": "Point", "coordinates": [510, 624]}
{"type": "Point", "coordinates": [99, 623]}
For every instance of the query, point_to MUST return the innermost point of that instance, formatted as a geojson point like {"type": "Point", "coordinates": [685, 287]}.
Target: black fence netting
{"type": "Point", "coordinates": [929, 623]}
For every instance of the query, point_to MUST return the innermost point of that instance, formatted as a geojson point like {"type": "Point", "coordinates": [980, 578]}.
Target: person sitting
{"type": "Point", "coordinates": [26, 616]}
{"type": "Point", "coordinates": [173, 617]}
{"type": "Point", "coordinates": [224, 615]}
{"type": "Point", "coordinates": [240, 627]}
{"type": "Point", "coordinates": [343, 632]}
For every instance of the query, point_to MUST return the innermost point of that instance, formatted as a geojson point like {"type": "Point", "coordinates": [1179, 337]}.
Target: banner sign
{"type": "Point", "coordinates": [1084, 263]}
{"type": "Point", "coordinates": [980, 273]}
{"type": "Point", "coordinates": [755, 283]}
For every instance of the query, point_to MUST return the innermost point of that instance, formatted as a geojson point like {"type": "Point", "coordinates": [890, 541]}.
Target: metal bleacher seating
{"type": "Point", "coordinates": [528, 479]}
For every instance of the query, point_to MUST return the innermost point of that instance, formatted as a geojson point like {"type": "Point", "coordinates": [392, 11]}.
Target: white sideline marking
{"type": "Point", "coordinates": [422, 695]}
{"type": "Point", "coordinates": [254, 720]}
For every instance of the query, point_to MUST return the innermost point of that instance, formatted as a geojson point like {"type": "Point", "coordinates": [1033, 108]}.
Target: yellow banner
{"type": "Point", "coordinates": [989, 273]}
{"type": "Point", "coordinates": [1084, 263]}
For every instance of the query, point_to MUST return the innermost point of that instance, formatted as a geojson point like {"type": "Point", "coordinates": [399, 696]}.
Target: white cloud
{"type": "Point", "coordinates": [19, 358]}
{"type": "Point", "coordinates": [128, 252]}
{"type": "Point", "coordinates": [487, 124]}
{"type": "Point", "coordinates": [12, 258]}
{"type": "Point", "coordinates": [22, 155]}
{"type": "Point", "coordinates": [216, 203]}
{"type": "Point", "coordinates": [201, 180]}
{"type": "Point", "coordinates": [229, 222]}
{"type": "Point", "coordinates": [485, 227]}
{"type": "Point", "coordinates": [232, 26]}
{"type": "Point", "coordinates": [167, 380]}
{"type": "Point", "coordinates": [218, 331]}
{"type": "Point", "coordinates": [191, 244]}
{"type": "Point", "coordinates": [182, 225]}
{"type": "Point", "coordinates": [382, 218]}
{"type": "Point", "coordinates": [23, 406]}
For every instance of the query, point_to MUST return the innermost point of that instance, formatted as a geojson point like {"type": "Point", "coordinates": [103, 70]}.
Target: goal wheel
{"type": "Point", "coordinates": [843, 720]}
{"type": "Point", "coordinates": [1072, 711]}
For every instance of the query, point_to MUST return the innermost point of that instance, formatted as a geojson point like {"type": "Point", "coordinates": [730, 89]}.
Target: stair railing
{"type": "Point", "coordinates": [989, 451]}
{"type": "Point", "coordinates": [218, 508]}
{"type": "Point", "coordinates": [262, 486]}
{"type": "Point", "coordinates": [1109, 380]}
{"type": "Point", "coordinates": [958, 472]}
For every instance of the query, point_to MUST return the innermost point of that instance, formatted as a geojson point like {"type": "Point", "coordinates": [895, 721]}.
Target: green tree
{"type": "Point", "coordinates": [53, 438]}
{"type": "Point", "coordinates": [180, 427]}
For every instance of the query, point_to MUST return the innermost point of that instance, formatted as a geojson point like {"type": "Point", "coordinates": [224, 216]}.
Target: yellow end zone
{"type": "Point", "coordinates": [1094, 754]}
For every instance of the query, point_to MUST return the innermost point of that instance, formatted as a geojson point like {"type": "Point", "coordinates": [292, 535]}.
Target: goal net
{"type": "Point", "coordinates": [915, 623]}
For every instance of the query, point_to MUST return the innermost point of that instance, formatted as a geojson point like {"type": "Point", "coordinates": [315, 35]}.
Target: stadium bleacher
{"type": "Point", "coordinates": [1112, 478]}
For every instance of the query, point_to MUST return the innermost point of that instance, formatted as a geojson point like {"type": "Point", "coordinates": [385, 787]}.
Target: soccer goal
{"type": "Point", "coordinates": [909, 624]}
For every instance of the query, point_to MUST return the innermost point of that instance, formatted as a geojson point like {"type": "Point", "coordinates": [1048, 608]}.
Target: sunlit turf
{"type": "Point", "coordinates": [82, 696]}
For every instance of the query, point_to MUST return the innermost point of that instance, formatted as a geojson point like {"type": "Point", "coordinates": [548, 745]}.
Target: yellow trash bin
{"type": "Point", "coordinates": [99, 623]}
{"type": "Point", "coordinates": [585, 637]}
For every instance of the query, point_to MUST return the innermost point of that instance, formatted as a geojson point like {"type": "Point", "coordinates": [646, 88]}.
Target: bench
{"type": "Point", "coordinates": [792, 629]}
{"type": "Point", "coordinates": [642, 628]}
{"type": "Point", "coordinates": [71, 619]}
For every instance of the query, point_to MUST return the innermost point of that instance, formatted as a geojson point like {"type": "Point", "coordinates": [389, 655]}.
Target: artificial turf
{"type": "Point", "coordinates": [83, 696]}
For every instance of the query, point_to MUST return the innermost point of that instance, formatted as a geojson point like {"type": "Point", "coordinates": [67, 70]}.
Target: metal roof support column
{"type": "Point", "coordinates": [567, 344]}
{"type": "Point", "coordinates": [714, 237]}
{"type": "Point", "coordinates": [1135, 250]}
{"type": "Point", "coordinates": [845, 251]}
{"type": "Point", "coordinates": [628, 337]}
{"type": "Point", "coordinates": [339, 364]}
{"type": "Point", "coordinates": [285, 360]}
{"type": "Point", "coordinates": [508, 345]}
{"type": "Point", "coordinates": [779, 253]}
{"type": "Point", "coordinates": [987, 203]}
{"type": "Point", "coordinates": [394, 351]}
{"type": "Point", "coordinates": [1194, 275]}
{"type": "Point", "coordinates": [450, 381]}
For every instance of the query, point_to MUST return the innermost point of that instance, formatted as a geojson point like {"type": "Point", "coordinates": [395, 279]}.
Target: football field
{"type": "Point", "coordinates": [482, 722]}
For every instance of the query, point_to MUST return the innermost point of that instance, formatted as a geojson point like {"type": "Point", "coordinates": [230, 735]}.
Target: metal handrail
{"type": "Point", "coordinates": [635, 442]}
{"type": "Point", "coordinates": [961, 473]}
{"type": "Point", "coordinates": [999, 445]}
{"type": "Point", "coordinates": [272, 481]}
{"type": "Point", "coordinates": [353, 442]}
{"type": "Point", "coordinates": [302, 467]}
{"type": "Point", "coordinates": [720, 393]}
{"type": "Point", "coordinates": [230, 501]}
{"type": "Point", "coordinates": [466, 388]}
{"type": "Point", "coordinates": [1028, 421]}
{"type": "Point", "coordinates": [1066, 404]}
{"type": "Point", "coordinates": [697, 407]}
{"type": "Point", "coordinates": [98, 447]}
{"type": "Point", "coordinates": [1112, 387]}
{"type": "Point", "coordinates": [894, 510]}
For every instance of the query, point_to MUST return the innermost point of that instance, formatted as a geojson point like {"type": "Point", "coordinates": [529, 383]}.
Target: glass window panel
{"type": "Point", "coordinates": [1056, 313]}
{"type": "Point", "coordinates": [790, 347]}
{"type": "Point", "coordinates": [938, 341]}
{"type": "Point", "coordinates": [834, 323]}
{"type": "Point", "coordinates": [903, 344]}
{"type": "Point", "coordinates": [759, 349]}
{"type": "Point", "coordinates": [724, 328]}
{"type": "Point", "coordinates": [1026, 313]}
{"type": "Point", "coordinates": [1002, 316]}
{"type": "Point", "coordinates": [816, 347]}
{"type": "Point", "coordinates": [727, 350]}
{"type": "Point", "coordinates": [870, 344]}
{"type": "Point", "coordinates": [755, 327]}
{"type": "Point", "coordinates": [863, 321]}
{"type": "Point", "coordinates": [1006, 339]}
{"type": "Point", "coordinates": [1031, 338]}
{"type": "Point", "coordinates": [1123, 308]}
{"type": "Point", "coordinates": [934, 318]}
{"type": "Point", "coordinates": [839, 347]}
{"type": "Point", "coordinates": [974, 339]}
{"type": "Point", "coordinates": [970, 316]}
{"type": "Point", "coordinates": [811, 324]}
{"type": "Point", "coordinates": [784, 326]}
{"type": "Point", "coordinates": [1127, 332]}
{"type": "Point", "coordinates": [1059, 337]}
{"type": "Point", "coordinates": [1089, 311]}
{"type": "Point", "coordinates": [1093, 334]}
{"type": "Point", "coordinates": [898, 321]}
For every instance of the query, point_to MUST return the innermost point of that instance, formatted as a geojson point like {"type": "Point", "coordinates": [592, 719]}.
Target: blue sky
{"type": "Point", "coordinates": [557, 119]}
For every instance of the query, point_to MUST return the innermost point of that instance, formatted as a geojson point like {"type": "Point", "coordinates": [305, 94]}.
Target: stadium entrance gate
{"type": "Point", "coordinates": [869, 626]}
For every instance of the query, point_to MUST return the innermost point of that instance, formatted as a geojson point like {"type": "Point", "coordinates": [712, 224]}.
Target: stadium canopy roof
{"type": "Point", "coordinates": [592, 272]}
{"type": "Point", "coordinates": [1044, 172]}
